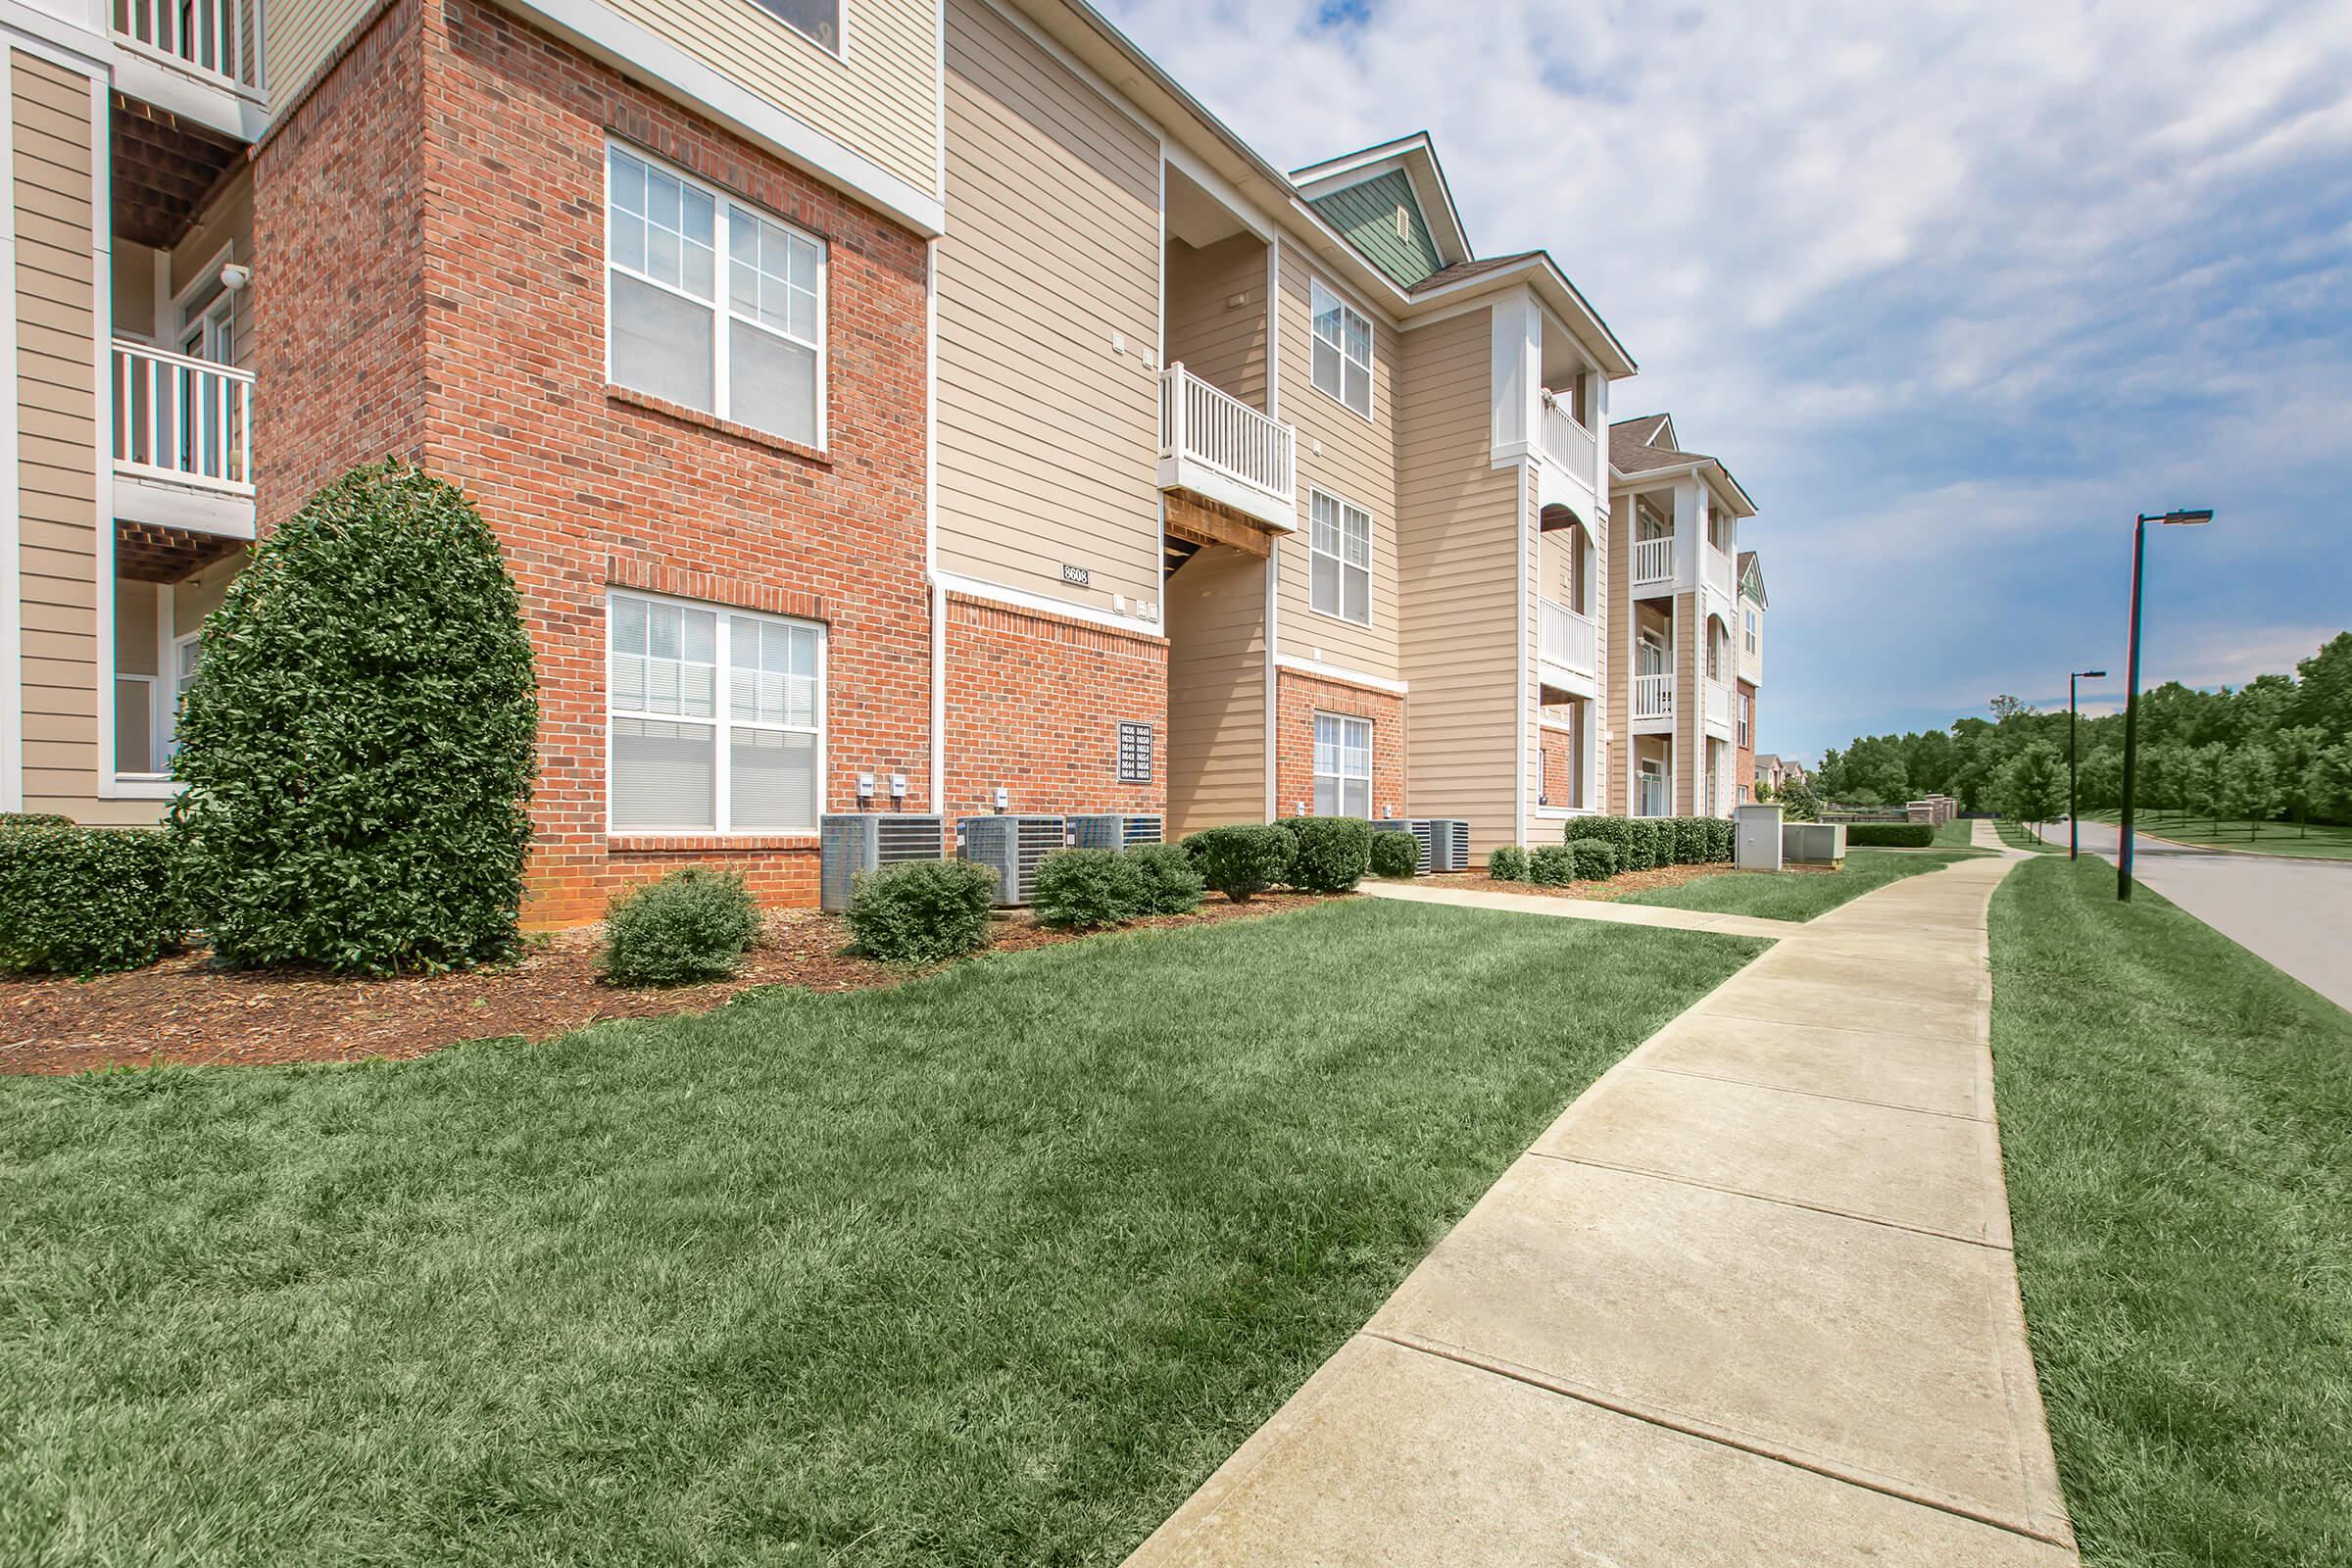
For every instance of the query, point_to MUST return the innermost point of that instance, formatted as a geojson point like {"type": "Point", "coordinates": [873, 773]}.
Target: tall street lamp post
{"type": "Point", "coordinates": [2074, 813]}
{"type": "Point", "coordinates": [2139, 545]}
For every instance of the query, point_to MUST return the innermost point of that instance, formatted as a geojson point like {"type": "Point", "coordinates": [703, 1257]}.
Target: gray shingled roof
{"type": "Point", "coordinates": [1630, 449]}
{"type": "Point", "coordinates": [1478, 268]}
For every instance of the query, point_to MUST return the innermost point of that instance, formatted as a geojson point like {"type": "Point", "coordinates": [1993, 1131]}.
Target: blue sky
{"type": "Point", "coordinates": [1955, 289]}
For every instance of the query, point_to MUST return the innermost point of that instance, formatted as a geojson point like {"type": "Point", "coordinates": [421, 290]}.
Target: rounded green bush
{"type": "Point", "coordinates": [1242, 859]}
{"type": "Point", "coordinates": [82, 900]}
{"type": "Point", "coordinates": [1638, 853]}
{"type": "Point", "coordinates": [1507, 862]}
{"type": "Point", "coordinates": [1170, 884]}
{"type": "Point", "coordinates": [1612, 830]}
{"type": "Point", "coordinates": [1552, 866]}
{"type": "Point", "coordinates": [1333, 853]}
{"type": "Point", "coordinates": [1082, 890]}
{"type": "Point", "coordinates": [1395, 854]}
{"type": "Point", "coordinates": [922, 911]}
{"type": "Point", "coordinates": [358, 748]}
{"type": "Point", "coordinates": [691, 925]}
{"type": "Point", "coordinates": [1722, 835]}
{"type": "Point", "coordinates": [1595, 859]}
{"type": "Point", "coordinates": [1691, 835]}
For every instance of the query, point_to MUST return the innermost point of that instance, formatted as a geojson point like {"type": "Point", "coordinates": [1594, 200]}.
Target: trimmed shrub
{"type": "Point", "coordinates": [1722, 835]}
{"type": "Point", "coordinates": [1890, 835]}
{"type": "Point", "coordinates": [1170, 884]}
{"type": "Point", "coordinates": [357, 746]}
{"type": "Point", "coordinates": [691, 925]}
{"type": "Point", "coordinates": [1081, 890]}
{"type": "Point", "coordinates": [1595, 859]}
{"type": "Point", "coordinates": [1333, 853]}
{"type": "Point", "coordinates": [1506, 863]}
{"type": "Point", "coordinates": [923, 912]}
{"type": "Point", "coordinates": [1614, 831]}
{"type": "Point", "coordinates": [1552, 866]}
{"type": "Point", "coordinates": [1641, 852]}
{"type": "Point", "coordinates": [1242, 859]}
{"type": "Point", "coordinates": [1397, 855]}
{"type": "Point", "coordinates": [1691, 835]}
{"type": "Point", "coordinates": [80, 900]}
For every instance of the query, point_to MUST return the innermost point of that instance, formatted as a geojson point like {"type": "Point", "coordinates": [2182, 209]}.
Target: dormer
{"type": "Point", "coordinates": [1390, 203]}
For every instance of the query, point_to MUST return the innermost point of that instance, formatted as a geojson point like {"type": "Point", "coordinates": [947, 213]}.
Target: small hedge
{"type": "Point", "coordinates": [1596, 860]}
{"type": "Point", "coordinates": [1506, 863]}
{"type": "Point", "coordinates": [1722, 835]}
{"type": "Point", "coordinates": [82, 900]}
{"type": "Point", "coordinates": [1170, 884]}
{"type": "Point", "coordinates": [691, 925]}
{"type": "Point", "coordinates": [1552, 866]}
{"type": "Point", "coordinates": [923, 912]}
{"type": "Point", "coordinates": [1242, 859]}
{"type": "Point", "coordinates": [1641, 854]}
{"type": "Point", "coordinates": [1333, 854]}
{"type": "Point", "coordinates": [1395, 854]}
{"type": "Point", "coordinates": [1615, 831]}
{"type": "Point", "coordinates": [1690, 838]}
{"type": "Point", "coordinates": [1890, 835]}
{"type": "Point", "coordinates": [1083, 889]}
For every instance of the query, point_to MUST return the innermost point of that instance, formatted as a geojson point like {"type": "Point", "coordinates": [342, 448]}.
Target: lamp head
{"type": "Point", "coordinates": [2189, 519]}
{"type": "Point", "coordinates": [2091, 674]}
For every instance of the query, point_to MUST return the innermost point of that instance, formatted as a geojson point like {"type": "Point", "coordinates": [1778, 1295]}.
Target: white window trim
{"type": "Point", "coordinates": [1317, 292]}
{"type": "Point", "coordinates": [720, 306]}
{"type": "Point", "coordinates": [1341, 779]}
{"type": "Point", "coordinates": [1345, 506]}
{"type": "Point", "coordinates": [1749, 627]}
{"type": "Point", "coordinates": [723, 724]}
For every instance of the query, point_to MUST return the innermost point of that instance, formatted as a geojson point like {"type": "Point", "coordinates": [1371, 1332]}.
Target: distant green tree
{"type": "Point", "coordinates": [2005, 708]}
{"type": "Point", "coordinates": [2208, 766]}
{"type": "Point", "coordinates": [2250, 786]}
{"type": "Point", "coordinates": [2101, 785]}
{"type": "Point", "coordinates": [1798, 802]}
{"type": "Point", "coordinates": [1930, 758]}
{"type": "Point", "coordinates": [2293, 751]}
{"type": "Point", "coordinates": [2324, 694]}
{"type": "Point", "coordinates": [2328, 782]}
{"type": "Point", "coordinates": [2033, 785]}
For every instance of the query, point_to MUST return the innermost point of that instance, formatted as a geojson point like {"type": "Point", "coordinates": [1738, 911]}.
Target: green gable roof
{"type": "Point", "coordinates": [1366, 214]}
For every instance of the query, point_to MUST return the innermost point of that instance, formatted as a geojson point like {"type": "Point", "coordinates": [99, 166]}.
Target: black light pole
{"type": "Point", "coordinates": [2074, 817]}
{"type": "Point", "coordinates": [2139, 545]}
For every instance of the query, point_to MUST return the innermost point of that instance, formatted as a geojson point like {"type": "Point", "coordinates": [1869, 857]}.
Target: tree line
{"type": "Point", "coordinates": [2277, 748]}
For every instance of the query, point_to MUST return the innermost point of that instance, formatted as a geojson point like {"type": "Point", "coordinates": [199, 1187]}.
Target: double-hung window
{"type": "Point", "coordinates": [1343, 765]}
{"type": "Point", "coordinates": [1749, 628]}
{"type": "Point", "coordinates": [1343, 350]}
{"type": "Point", "coordinates": [712, 304]}
{"type": "Point", "coordinates": [1339, 559]}
{"type": "Point", "coordinates": [717, 719]}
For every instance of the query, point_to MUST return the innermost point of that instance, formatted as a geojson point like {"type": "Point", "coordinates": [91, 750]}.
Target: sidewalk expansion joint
{"type": "Point", "coordinates": [1946, 1037]}
{"type": "Point", "coordinates": [1753, 1196]}
{"type": "Point", "coordinates": [1818, 1094]}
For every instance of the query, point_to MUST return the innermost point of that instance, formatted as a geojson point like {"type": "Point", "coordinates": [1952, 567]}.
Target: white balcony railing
{"type": "Point", "coordinates": [1567, 442]}
{"type": "Point", "coordinates": [1203, 427]}
{"type": "Point", "coordinates": [1568, 639]}
{"type": "Point", "coordinates": [1653, 696]}
{"type": "Point", "coordinates": [183, 420]}
{"type": "Point", "coordinates": [1718, 705]}
{"type": "Point", "coordinates": [215, 37]}
{"type": "Point", "coordinates": [1719, 571]}
{"type": "Point", "coordinates": [1653, 561]}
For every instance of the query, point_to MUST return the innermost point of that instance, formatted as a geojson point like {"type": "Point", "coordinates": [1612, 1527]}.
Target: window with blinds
{"type": "Point", "coordinates": [717, 719]}
{"type": "Point", "coordinates": [1343, 765]}
{"type": "Point", "coordinates": [1339, 559]}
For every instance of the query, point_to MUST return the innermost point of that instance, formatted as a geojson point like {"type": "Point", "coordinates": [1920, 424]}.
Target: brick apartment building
{"type": "Point", "coordinates": [925, 406]}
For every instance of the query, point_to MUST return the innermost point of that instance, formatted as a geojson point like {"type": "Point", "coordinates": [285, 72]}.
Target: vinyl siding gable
{"type": "Point", "coordinates": [1366, 214]}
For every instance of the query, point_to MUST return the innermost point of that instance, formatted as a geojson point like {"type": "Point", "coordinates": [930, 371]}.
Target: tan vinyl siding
{"type": "Point", "coordinates": [1687, 719]}
{"type": "Point", "coordinates": [300, 38]}
{"type": "Point", "coordinates": [1221, 342]}
{"type": "Point", "coordinates": [1463, 524]}
{"type": "Point", "coordinates": [1617, 637]}
{"type": "Point", "coordinates": [1216, 621]}
{"type": "Point", "coordinates": [228, 222]}
{"type": "Point", "coordinates": [1358, 463]}
{"type": "Point", "coordinates": [57, 453]}
{"type": "Point", "coordinates": [1047, 439]}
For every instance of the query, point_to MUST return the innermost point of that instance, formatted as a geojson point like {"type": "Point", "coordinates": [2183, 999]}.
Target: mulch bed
{"type": "Point", "coordinates": [184, 1011]}
{"type": "Point", "coordinates": [1615, 888]}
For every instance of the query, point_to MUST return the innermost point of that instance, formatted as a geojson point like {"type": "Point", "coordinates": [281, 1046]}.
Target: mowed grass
{"type": "Point", "coordinates": [2018, 836]}
{"type": "Point", "coordinates": [2318, 841]}
{"type": "Point", "coordinates": [1957, 834]}
{"type": "Point", "coordinates": [1799, 894]}
{"type": "Point", "coordinates": [993, 1268]}
{"type": "Point", "coordinates": [2176, 1128]}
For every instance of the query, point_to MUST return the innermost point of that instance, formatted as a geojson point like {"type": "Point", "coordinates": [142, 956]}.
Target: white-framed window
{"type": "Point", "coordinates": [1748, 629]}
{"type": "Point", "coordinates": [819, 20]}
{"type": "Point", "coordinates": [716, 718]}
{"type": "Point", "coordinates": [1343, 765]}
{"type": "Point", "coordinates": [1343, 350]}
{"type": "Point", "coordinates": [711, 304]}
{"type": "Point", "coordinates": [1339, 559]}
{"type": "Point", "coordinates": [187, 656]}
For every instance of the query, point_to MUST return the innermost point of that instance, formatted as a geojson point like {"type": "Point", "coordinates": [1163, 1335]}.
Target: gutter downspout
{"type": "Point", "coordinates": [938, 594]}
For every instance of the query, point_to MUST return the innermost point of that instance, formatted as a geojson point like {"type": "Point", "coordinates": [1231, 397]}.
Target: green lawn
{"type": "Point", "coordinates": [2176, 1128]}
{"type": "Point", "coordinates": [1799, 894]}
{"type": "Point", "coordinates": [2319, 841]}
{"type": "Point", "coordinates": [2018, 836]}
{"type": "Point", "coordinates": [1957, 834]}
{"type": "Point", "coordinates": [993, 1268]}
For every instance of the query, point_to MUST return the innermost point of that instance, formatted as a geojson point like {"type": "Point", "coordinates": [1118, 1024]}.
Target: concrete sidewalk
{"type": "Point", "coordinates": [1749, 1301]}
{"type": "Point", "coordinates": [1743, 925]}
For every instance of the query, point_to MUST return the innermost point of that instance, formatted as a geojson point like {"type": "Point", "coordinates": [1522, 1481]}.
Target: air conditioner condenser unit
{"type": "Point", "coordinates": [1014, 845]}
{"type": "Point", "coordinates": [852, 841]}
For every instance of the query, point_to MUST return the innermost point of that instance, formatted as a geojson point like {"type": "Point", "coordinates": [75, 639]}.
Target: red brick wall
{"type": "Point", "coordinates": [1559, 767]}
{"type": "Point", "coordinates": [1034, 704]}
{"type": "Point", "coordinates": [587, 487]}
{"type": "Point", "coordinates": [1743, 760]}
{"type": "Point", "coordinates": [1298, 698]}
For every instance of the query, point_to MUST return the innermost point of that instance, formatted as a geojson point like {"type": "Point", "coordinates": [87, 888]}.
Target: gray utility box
{"type": "Point", "coordinates": [1107, 831]}
{"type": "Point", "coordinates": [850, 843]}
{"type": "Point", "coordinates": [1813, 843]}
{"type": "Point", "coordinates": [1756, 838]}
{"type": "Point", "coordinates": [1014, 845]}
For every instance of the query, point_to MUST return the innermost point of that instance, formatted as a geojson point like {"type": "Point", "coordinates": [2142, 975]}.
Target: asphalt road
{"type": "Point", "coordinates": [2295, 914]}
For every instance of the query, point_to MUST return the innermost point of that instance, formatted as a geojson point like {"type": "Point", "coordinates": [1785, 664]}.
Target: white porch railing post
{"type": "Point", "coordinates": [182, 419]}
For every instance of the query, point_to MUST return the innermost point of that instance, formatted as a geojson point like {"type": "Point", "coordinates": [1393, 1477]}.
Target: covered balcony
{"type": "Point", "coordinates": [198, 60]}
{"type": "Point", "coordinates": [1222, 450]}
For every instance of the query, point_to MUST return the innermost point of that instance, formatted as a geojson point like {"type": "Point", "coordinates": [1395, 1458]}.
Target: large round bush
{"type": "Point", "coordinates": [1242, 859]}
{"type": "Point", "coordinates": [691, 925]}
{"type": "Point", "coordinates": [1595, 859]}
{"type": "Point", "coordinates": [1080, 889]}
{"type": "Point", "coordinates": [1395, 855]}
{"type": "Point", "coordinates": [1170, 884]}
{"type": "Point", "coordinates": [357, 748]}
{"type": "Point", "coordinates": [1333, 853]}
{"type": "Point", "coordinates": [923, 912]}
{"type": "Point", "coordinates": [1552, 866]}
{"type": "Point", "coordinates": [1507, 862]}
